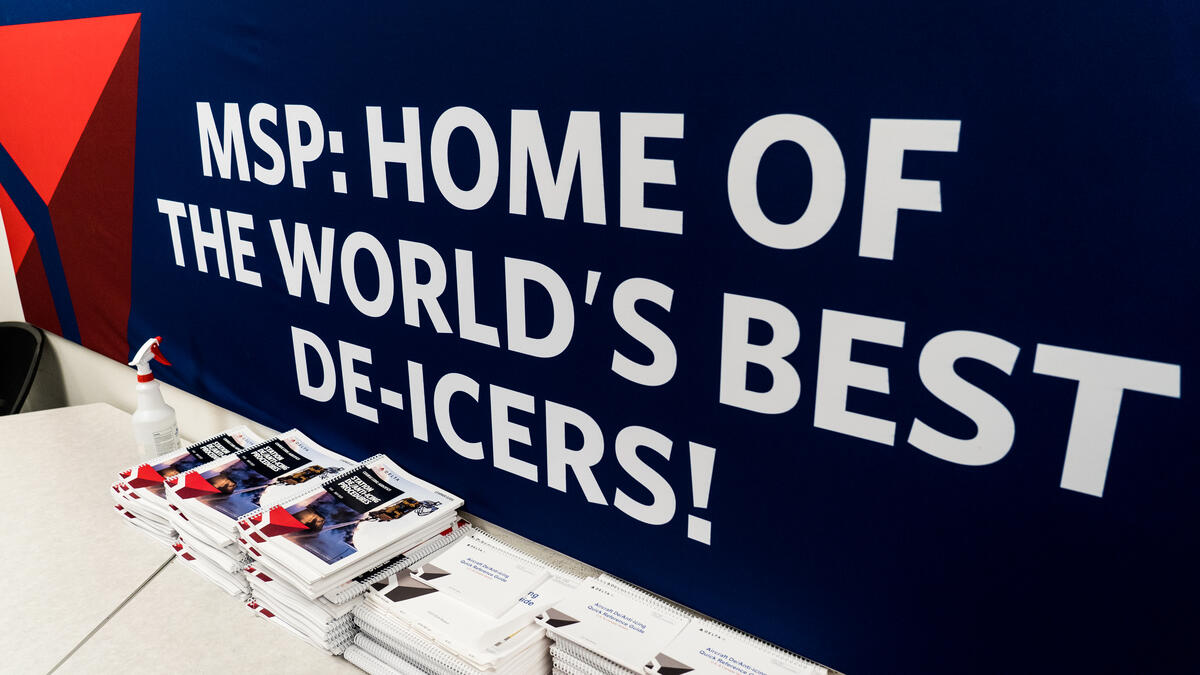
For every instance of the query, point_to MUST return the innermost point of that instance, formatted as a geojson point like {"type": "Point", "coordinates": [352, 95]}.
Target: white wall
{"type": "Point", "coordinates": [10, 302]}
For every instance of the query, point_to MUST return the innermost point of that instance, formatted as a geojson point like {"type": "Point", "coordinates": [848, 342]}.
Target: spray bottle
{"type": "Point", "coordinates": [154, 426]}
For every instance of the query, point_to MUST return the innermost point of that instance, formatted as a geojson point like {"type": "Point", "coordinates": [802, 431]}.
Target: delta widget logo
{"type": "Point", "coordinates": [68, 119]}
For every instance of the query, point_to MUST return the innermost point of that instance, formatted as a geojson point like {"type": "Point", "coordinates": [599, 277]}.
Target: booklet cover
{"type": "Point", "coordinates": [350, 516]}
{"type": "Point", "coordinates": [429, 656]}
{"type": "Point", "coordinates": [479, 638]}
{"type": "Point", "coordinates": [707, 648]}
{"type": "Point", "coordinates": [261, 474]}
{"type": "Point", "coordinates": [149, 476]}
{"type": "Point", "coordinates": [617, 622]}
{"type": "Point", "coordinates": [481, 575]}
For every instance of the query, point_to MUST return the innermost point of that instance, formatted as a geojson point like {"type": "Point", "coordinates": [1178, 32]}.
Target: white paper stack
{"type": "Point", "coordinates": [327, 628]}
{"type": "Point", "coordinates": [139, 491]}
{"type": "Point", "coordinates": [467, 610]}
{"type": "Point", "coordinates": [232, 583]}
{"type": "Point", "coordinates": [707, 648]}
{"type": "Point", "coordinates": [205, 501]}
{"type": "Point", "coordinates": [325, 621]}
{"type": "Point", "coordinates": [607, 627]}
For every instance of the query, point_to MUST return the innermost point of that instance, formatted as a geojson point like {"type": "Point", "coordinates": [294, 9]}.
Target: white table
{"type": "Point", "coordinates": [83, 592]}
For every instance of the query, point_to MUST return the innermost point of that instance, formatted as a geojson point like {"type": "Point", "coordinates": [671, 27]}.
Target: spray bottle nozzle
{"type": "Point", "coordinates": [149, 351]}
{"type": "Point", "coordinates": [157, 352]}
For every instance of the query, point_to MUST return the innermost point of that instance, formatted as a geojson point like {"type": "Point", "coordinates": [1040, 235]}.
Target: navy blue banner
{"type": "Point", "coordinates": [865, 328]}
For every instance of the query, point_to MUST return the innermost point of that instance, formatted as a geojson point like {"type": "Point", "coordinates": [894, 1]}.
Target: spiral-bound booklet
{"type": "Point", "coordinates": [481, 573]}
{"type": "Point", "coordinates": [139, 491]}
{"type": "Point", "coordinates": [333, 642]}
{"type": "Point", "coordinates": [455, 620]}
{"type": "Point", "coordinates": [232, 583]}
{"type": "Point", "coordinates": [148, 526]}
{"type": "Point", "coordinates": [301, 612]}
{"type": "Point", "coordinates": [358, 656]}
{"type": "Point", "coordinates": [340, 582]}
{"type": "Point", "coordinates": [146, 479]}
{"type": "Point", "coordinates": [267, 581]}
{"type": "Point", "coordinates": [483, 641]}
{"type": "Point", "coordinates": [707, 648]}
{"type": "Point", "coordinates": [219, 492]}
{"type": "Point", "coordinates": [230, 561]}
{"type": "Point", "coordinates": [586, 663]}
{"type": "Point", "coordinates": [615, 620]}
{"type": "Point", "coordinates": [349, 523]}
{"type": "Point", "coordinates": [344, 597]}
{"type": "Point", "coordinates": [397, 645]}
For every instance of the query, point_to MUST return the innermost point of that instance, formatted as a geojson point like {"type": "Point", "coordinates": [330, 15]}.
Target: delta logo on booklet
{"type": "Point", "coordinates": [665, 665]}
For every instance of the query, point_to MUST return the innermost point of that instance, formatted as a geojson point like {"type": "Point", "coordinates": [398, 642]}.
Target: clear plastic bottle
{"type": "Point", "coordinates": [154, 425]}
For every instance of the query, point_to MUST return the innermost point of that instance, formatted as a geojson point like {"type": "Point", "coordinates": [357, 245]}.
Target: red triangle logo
{"type": "Point", "coordinates": [18, 232]}
{"type": "Point", "coordinates": [53, 76]}
{"type": "Point", "coordinates": [279, 521]}
{"type": "Point", "coordinates": [146, 476]}
{"type": "Point", "coordinates": [194, 486]}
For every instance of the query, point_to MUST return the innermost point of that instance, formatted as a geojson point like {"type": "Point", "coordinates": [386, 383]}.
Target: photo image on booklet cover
{"type": "Point", "coordinates": [187, 459]}
{"type": "Point", "coordinates": [331, 518]}
{"type": "Point", "coordinates": [240, 484]}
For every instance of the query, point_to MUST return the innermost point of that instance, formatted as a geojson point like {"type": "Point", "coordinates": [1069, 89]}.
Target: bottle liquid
{"type": "Point", "coordinates": [154, 426]}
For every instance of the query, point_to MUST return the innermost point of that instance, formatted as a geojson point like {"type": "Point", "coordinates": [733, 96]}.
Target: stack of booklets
{"type": "Point", "coordinates": [607, 627]}
{"type": "Point", "coordinates": [205, 502]}
{"type": "Point", "coordinates": [316, 552]}
{"type": "Point", "coordinates": [325, 621]}
{"type": "Point", "coordinates": [140, 492]}
{"type": "Point", "coordinates": [468, 609]}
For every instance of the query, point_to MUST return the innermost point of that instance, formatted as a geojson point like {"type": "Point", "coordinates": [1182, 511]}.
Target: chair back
{"type": "Point", "coordinates": [20, 353]}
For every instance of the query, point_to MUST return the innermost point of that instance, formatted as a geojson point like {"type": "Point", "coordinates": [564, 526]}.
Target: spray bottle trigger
{"type": "Point", "coordinates": [158, 355]}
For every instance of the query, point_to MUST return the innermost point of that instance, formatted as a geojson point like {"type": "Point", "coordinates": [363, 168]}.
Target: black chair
{"type": "Point", "coordinates": [20, 353]}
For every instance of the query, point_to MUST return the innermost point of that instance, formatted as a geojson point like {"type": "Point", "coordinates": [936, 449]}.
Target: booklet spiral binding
{"type": "Point", "coordinates": [639, 594]}
{"type": "Point", "coordinates": [246, 448]}
{"type": "Point", "coordinates": [758, 643]}
{"type": "Point", "coordinates": [371, 665]}
{"type": "Point", "coordinates": [329, 633]}
{"type": "Point", "coordinates": [400, 642]}
{"type": "Point", "coordinates": [577, 652]}
{"type": "Point", "coordinates": [371, 649]}
{"type": "Point", "coordinates": [318, 486]}
{"type": "Point", "coordinates": [583, 665]}
{"type": "Point", "coordinates": [555, 570]}
{"type": "Point", "coordinates": [334, 646]}
{"type": "Point", "coordinates": [385, 630]}
{"type": "Point", "coordinates": [430, 658]}
{"type": "Point", "coordinates": [228, 433]}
